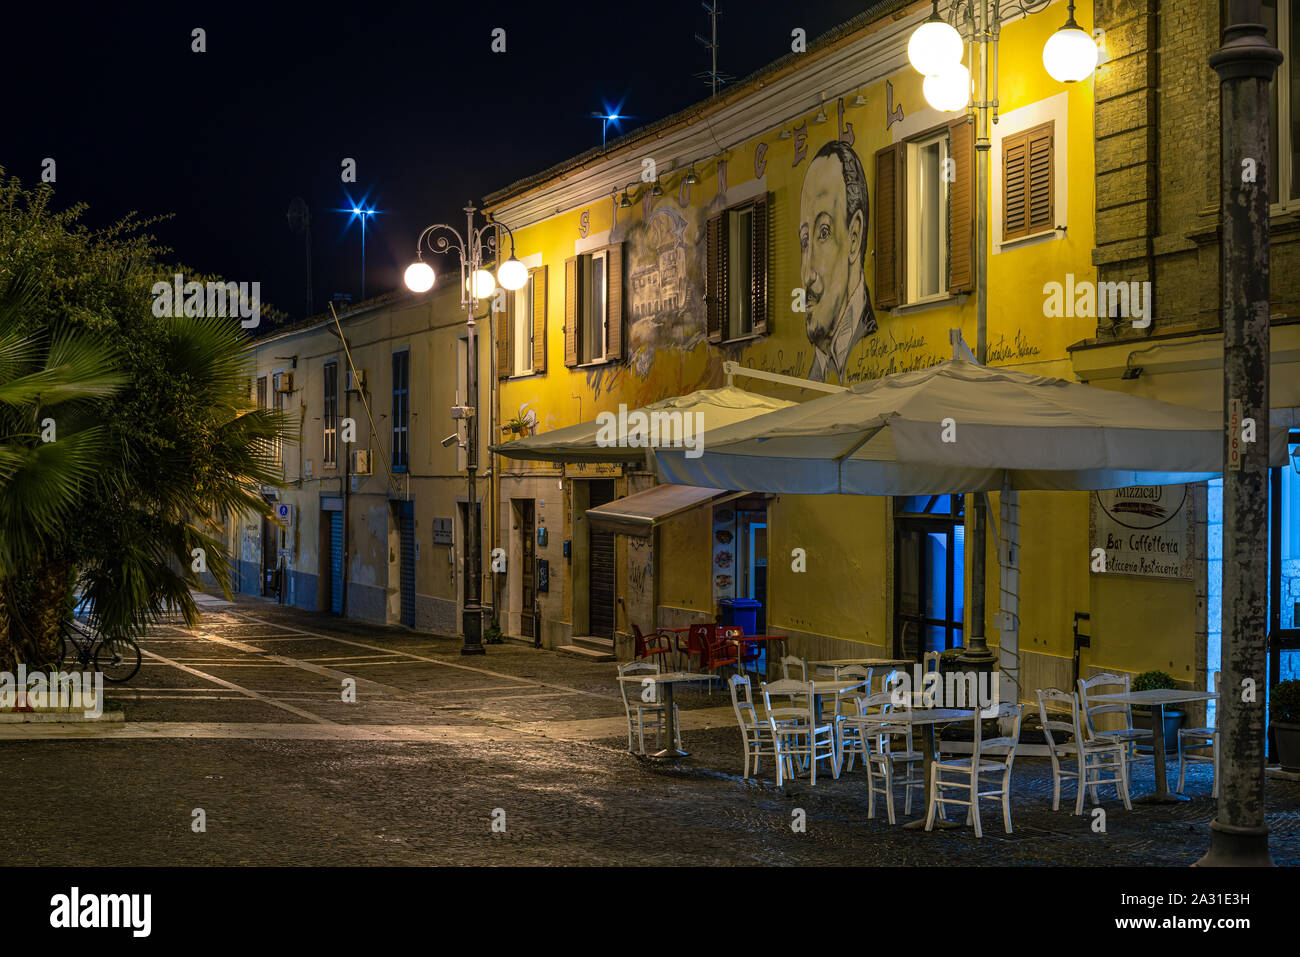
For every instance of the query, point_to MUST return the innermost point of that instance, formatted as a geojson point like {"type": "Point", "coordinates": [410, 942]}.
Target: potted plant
{"type": "Point", "coordinates": [1150, 681]}
{"type": "Point", "coordinates": [1284, 715]}
{"type": "Point", "coordinates": [523, 423]}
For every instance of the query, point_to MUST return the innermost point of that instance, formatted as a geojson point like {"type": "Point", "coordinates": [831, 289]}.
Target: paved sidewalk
{"type": "Point", "coordinates": [245, 718]}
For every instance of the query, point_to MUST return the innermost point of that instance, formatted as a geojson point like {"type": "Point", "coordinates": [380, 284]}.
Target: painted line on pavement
{"type": "Point", "coordinates": [244, 691]}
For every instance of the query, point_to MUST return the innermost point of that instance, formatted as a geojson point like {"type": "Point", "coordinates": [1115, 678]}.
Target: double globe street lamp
{"type": "Point", "coordinates": [935, 51]}
{"type": "Point", "coordinates": [477, 284]}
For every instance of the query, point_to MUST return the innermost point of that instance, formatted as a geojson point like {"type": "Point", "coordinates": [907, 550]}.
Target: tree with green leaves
{"type": "Point", "coordinates": [127, 440]}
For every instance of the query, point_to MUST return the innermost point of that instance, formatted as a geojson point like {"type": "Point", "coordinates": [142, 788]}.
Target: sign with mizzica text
{"type": "Point", "coordinates": [1145, 530]}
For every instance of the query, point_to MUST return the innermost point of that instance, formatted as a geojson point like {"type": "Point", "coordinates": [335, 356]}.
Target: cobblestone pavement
{"type": "Point", "coordinates": [244, 717]}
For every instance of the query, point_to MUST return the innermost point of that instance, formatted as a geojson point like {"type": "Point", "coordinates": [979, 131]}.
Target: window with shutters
{"type": "Point", "coordinates": [277, 403]}
{"type": "Point", "coordinates": [927, 225]}
{"type": "Point", "coordinates": [330, 413]}
{"type": "Point", "coordinates": [1028, 182]}
{"type": "Point", "coordinates": [736, 272]}
{"type": "Point", "coordinates": [593, 306]}
{"type": "Point", "coordinates": [401, 409]}
{"type": "Point", "coordinates": [521, 330]}
{"type": "Point", "coordinates": [925, 231]}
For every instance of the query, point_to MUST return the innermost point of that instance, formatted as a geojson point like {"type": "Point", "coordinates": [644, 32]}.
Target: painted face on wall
{"type": "Point", "coordinates": [832, 228]}
{"type": "Point", "coordinates": [830, 246]}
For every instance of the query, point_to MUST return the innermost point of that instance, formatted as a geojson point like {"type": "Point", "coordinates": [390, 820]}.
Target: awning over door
{"type": "Point", "coordinates": [638, 513]}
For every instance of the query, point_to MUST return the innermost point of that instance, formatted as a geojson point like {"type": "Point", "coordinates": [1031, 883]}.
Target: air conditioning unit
{"type": "Point", "coordinates": [355, 381]}
{"type": "Point", "coordinates": [285, 382]}
{"type": "Point", "coordinates": [361, 462]}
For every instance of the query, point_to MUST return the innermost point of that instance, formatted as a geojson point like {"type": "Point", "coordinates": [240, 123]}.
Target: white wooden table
{"type": "Point", "coordinates": [667, 681]}
{"type": "Point", "coordinates": [1156, 699]}
{"type": "Point", "coordinates": [926, 719]}
{"type": "Point", "coordinates": [820, 687]}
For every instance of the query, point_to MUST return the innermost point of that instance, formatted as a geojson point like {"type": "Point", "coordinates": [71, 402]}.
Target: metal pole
{"type": "Point", "coordinates": [363, 255]}
{"type": "Point", "coordinates": [977, 656]}
{"type": "Point", "coordinates": [1245, 64]}
{"type": "Point", "coordinates": [472, 618]}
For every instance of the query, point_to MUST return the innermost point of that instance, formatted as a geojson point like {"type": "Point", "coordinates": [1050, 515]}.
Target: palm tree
{"type": "Point", "coordinates": [50, 451]}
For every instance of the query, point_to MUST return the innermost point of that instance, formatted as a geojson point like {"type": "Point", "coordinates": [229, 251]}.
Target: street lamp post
{"type": "Point", "coordinates": [1245, 64]}
{"type": "Point", "coordinates": [935, 50]}
{"type": "Point", "coordinates": [476, 284]}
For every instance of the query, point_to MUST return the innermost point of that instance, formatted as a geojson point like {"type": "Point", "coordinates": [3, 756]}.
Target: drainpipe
{"type": "Point", "coordinates": [347, 487]}
{"type": "Point", "coordinates": [1245, 64]}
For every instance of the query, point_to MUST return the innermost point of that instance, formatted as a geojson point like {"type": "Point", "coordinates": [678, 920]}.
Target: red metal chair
{"type": "Point", "coordinates": [697, 642]}
{"type": "Point", "coordinates": [650, 648]}
{"type": "Point", "coordinates": [721, 652]}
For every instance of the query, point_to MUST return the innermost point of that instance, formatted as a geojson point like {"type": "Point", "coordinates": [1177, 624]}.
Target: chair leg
{"type": "Point", "coordinates": [889, 788]}
{"type": "Point", "coordinates": [1123, 773]}
{"type": "Point", "coordinates": [907, 791]}
{"type": "Point", "coordinates": [1006, 801]}
{"type": "Point", "coordinates": [1056, 786]}
{"type": "Point", "coordinates": [1083, 782]}
{"type": "Point", "coordinates": [975, 811]}
{"type": "Point", "coordinates": [871, 793]}
{"type": "Point", "coordinates": [640, 731]}
{"type": "Point", "coordinates": [934, 802]}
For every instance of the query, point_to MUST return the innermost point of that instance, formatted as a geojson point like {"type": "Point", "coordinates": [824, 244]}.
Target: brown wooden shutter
{"type": "Point", "coordinates": [505, 321]}
{"type": "Point", "coordinates": [1040, 160]}
{"type": "Point", "coordinates": [539, 319]}
{"type": "Point", "coordinates": [715, 280]}
{"type": "Point", "coordinates": [888, 196]}
{"type": "Point", "coordinates": [758, 262]}
{"type": "Point", "coordinates": [1015, 201]}
{"type": "Point", "coordinates": [961, 207]}
{"type": "Point", "coordinates": [614, 302]}
{"type": "Point", "coordinates": [572, 294]}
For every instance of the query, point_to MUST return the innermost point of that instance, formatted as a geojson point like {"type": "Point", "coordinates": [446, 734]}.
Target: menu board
{"type": "Point", "coordinates": [725, 551]}
{"type": "Point", "coordinates": [1145, 531]}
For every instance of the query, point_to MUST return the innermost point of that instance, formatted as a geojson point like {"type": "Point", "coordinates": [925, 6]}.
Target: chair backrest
{"type": "Point", "coordinates": [799, 698]}
{"type": "Point", "coordinates": [742, 699]}
{"type": "Point", "coordinates": [1096, 684]}
{"type": "Point", "coordinates": [789, 662]}
{"type": "Point", "coordinates": [888, 678]}
{"type": "Point", "coordinates": [730, 632]}
{"type": "Point", "coordinates": [640, 641]}
{"type": "Point", "coordinates": [931, 661]}
{"type": "Point", "coordinates": [697, 638]}
{"type": "Point", "coordinates": [1006, 744]}
{"type": "Point", "coordinates": [632, 691]}
{"type": "Point", "coordinates": [1052, 726]}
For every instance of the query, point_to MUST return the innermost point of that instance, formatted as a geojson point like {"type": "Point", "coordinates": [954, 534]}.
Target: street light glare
{"type": "Point", "coordinates": [481, 285]}
{"type": "Point", "coordinates": [513, 274]}
{"type": "Point", "coordinates": [418, 277]}
{"type": "Point", "coordinates": [948, 91]}
{"type": "Point", "coordinates": [934, 47]}
{"type": "Point", "coordinates": [1070, 55]}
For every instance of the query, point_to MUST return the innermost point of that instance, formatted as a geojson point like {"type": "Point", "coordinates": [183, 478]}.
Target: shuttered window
{"type": "Point", "coordinates": [1028, 182]}
{"type": "Point", "coordinates": [330, 412]}
{"type": "Point", "coordinates": [924, 211]}
{"type": "Point", "coordinates": [736, 261]}
{"type": "Point", "coordinates": [521, 328]}
{"type": "Point", "coordinates": [593, 306]}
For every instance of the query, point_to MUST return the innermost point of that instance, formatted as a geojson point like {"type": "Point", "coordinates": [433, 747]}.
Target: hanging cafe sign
{"type": "Point", "coordinates": [1144, 530]}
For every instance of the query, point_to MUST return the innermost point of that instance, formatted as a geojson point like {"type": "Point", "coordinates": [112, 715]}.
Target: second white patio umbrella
{"type": "Point", "coordinates": [961, 427]}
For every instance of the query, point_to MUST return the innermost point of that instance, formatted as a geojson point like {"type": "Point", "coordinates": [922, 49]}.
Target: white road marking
{"type": "Point", "coordinates": [244, 691]}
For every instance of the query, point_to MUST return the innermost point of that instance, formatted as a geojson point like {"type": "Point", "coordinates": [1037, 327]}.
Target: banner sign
{"type": "Point", "coordinates": [1145, 530]}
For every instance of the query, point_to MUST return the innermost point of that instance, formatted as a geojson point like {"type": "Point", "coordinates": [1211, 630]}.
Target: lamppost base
{"type": "Point", "coordinates": [1236, 847]}
{"type": "Point", "coordinates": [977, 658]}
{"type": "Point", "coordinates": [473, 650]}
{"type": "Point", "coordinates": [471, 626]}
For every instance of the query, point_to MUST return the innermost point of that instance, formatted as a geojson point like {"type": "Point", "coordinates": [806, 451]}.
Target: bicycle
{"type": "Point", "coordinates": [119, 660]}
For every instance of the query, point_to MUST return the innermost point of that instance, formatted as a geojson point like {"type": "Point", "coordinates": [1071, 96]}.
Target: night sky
{"type": "Point", "coordinates": [223, 140]}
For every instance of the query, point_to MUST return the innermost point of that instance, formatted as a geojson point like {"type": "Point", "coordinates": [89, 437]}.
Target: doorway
{"type": "Point", "coordinates": [332, 549]}
{"type": "Point", "coordinates": [929, 574]}
{"type": "Point", "coordinates": [526, 521]}
{"type": "Point", "coordinates": [406, 575]}
{"type": "Point", "coordinates": [600, 558]}
{"type": "Point", "coordinates": [270, 558]}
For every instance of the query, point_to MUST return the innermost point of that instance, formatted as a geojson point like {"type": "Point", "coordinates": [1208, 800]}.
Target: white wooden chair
{"type": "Point", "coordinates": [793, 663]}
{"type": "Point", "coordinates": [755, 732]}
{"type": "Point", "coordinates": [795, 730]}
{"type": "Point", "coordinates": [1093, 756]}
{"type": "Point", "coordinates": [1127, 735]}
{"type": "Point", "coordinates": [845, 704]}
{"type": "Point", "coordinates": [1198, 739]}
{"type": "Point", "coordinates": [638, 708]}
{"type": "Point", "coordinates": [874, 738]}
{"type": "Point", "coordinates": [988, 757]}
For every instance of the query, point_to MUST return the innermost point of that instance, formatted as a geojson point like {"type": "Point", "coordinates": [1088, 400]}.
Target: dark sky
{"type": "Point", "coordinates": [225, 139]}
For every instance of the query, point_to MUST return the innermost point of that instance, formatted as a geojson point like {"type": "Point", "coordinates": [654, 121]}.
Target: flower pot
{"type": "Point", "coordinates": [1173, 721]}
{"type": "Point", "coordinates": [1287, 736]}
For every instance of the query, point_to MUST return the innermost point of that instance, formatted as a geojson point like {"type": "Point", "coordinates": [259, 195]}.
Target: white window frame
{"type": "Point", "coordinates": [728, 335]}
{"type": "Point", "coordinates": [329, 426]}
{"type": "Point", "coordinates": [276, 398]}
{"type": "Point", "coordinates": [525, 327]}
{"type": "Point", "coordinates": [912, 166]}
{"type": "Point", "coordinates": [591, 260]}
{"type": "Point", "coordinates": [1282, 163]}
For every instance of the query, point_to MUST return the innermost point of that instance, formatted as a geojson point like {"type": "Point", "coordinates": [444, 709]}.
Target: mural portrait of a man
{"type": "Point", "coordinates": [834, 213]}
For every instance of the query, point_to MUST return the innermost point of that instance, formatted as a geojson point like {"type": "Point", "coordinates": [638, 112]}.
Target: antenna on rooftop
{"type": "Point", "coordinates": [712, 76]}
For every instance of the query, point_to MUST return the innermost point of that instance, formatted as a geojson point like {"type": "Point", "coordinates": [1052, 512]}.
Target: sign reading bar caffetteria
{"type": "Point", "coordinates": [1145, 530]}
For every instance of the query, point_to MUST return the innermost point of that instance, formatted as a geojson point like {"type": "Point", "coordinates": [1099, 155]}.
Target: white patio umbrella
{"type": "Point", "coordinates": [716, 408]}
{"type": "Point", "coordinates": [961, 427]}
